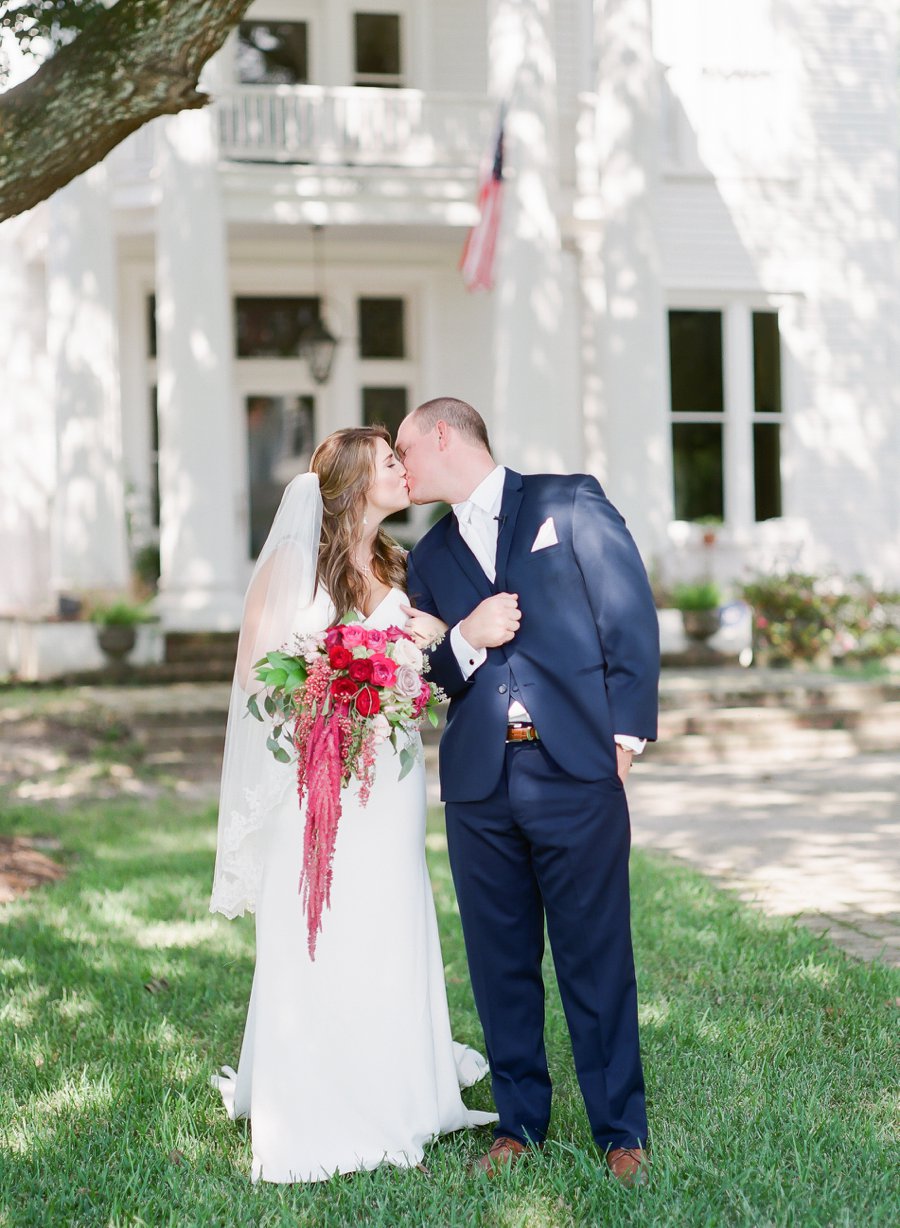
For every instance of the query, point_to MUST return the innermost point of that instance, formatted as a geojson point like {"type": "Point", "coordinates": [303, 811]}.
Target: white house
{"type": "Point", "coordinates": [696, 291]}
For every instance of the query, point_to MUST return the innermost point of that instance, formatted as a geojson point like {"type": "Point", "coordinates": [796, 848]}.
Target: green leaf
{"type": "Point", "coordinates": [277, 677]}
{"type": "Point", "coordinates": [407, 761]}
{"type": "Point", "coordinates": [294, 681]}
{"type": "Point", "coordinates": [269, 705]}
{"type": "Point", "coordinates": [281, 755]}
{"type": "Point", "coordinates": [433, 719]}
{"type": "Point", "coordinates": [253, 708]}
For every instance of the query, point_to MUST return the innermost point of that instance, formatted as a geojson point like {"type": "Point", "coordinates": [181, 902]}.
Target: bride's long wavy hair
{"type": "Point", "coordinates": [345, 464]}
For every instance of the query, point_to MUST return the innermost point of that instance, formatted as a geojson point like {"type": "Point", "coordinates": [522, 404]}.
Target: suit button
{"type": "Point", "coordinates": [502, 688]}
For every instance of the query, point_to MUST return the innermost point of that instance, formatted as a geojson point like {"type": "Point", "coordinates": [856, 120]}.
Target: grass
{"type": "Point", "coordinates": [771, 1060]}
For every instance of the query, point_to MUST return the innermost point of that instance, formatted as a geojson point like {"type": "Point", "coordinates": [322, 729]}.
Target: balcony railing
{"type": "Point", "coordinates": [353, 126]}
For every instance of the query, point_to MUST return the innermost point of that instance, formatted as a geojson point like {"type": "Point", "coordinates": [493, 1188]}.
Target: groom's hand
{"type": "Point", "coordinates": [494, 622]}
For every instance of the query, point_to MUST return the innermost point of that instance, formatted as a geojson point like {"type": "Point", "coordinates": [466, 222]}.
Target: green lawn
{"type": "Point", "coordinates": [771, 1060]}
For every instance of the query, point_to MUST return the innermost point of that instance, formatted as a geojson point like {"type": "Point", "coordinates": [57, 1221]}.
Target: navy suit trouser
{"type": "Point", "coordinates": [544, 842]}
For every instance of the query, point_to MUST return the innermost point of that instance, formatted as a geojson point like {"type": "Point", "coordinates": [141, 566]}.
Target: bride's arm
{"type": "Point", "coordinates": [425, 629]}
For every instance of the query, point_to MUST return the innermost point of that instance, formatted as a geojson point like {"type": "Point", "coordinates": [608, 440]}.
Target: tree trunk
{"type": "Point", "coordinates": [135, 61]}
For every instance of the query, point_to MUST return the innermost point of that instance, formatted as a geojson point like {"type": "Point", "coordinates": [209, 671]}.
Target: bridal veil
{"type": "Point", "coordinates": [282, 586]}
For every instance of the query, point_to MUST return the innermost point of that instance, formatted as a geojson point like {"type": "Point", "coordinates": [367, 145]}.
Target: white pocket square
{"type": "Point", "coordinates": [546, 536]}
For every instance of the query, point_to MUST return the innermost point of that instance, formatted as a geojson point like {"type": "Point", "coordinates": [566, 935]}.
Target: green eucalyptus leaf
{"type": "Point", "coordinates": [407, 761]}
{"type": "Point", "coordinates": [281, 755]}
{"type": "Point", "coordinates": [253, 708]}
{"type": "Point", "coordinates": [269, 705]}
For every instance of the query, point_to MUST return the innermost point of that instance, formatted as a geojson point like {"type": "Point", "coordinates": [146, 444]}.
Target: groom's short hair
{"type": "Point", "coordinates": [462, 416]}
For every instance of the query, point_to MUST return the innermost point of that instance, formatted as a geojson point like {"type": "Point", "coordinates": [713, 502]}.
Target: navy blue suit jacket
{"type": "Point", "coordinates": [585, 661]}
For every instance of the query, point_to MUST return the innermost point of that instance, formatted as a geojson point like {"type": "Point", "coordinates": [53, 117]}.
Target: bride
{"type": "Point", "coordinates": [347, 1062]}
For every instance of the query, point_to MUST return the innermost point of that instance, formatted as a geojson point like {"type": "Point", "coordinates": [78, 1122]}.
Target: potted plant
{"type": "Point", "coordinates": [699, 604]}
{"type": "Point", "coordinates": [117, 624]}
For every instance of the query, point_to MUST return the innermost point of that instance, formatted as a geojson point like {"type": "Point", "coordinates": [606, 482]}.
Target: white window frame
{"type": "Point", "coordinates": [738, 415]}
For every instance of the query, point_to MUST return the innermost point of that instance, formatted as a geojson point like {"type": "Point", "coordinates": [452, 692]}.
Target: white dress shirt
{"type": "Point", "coordinates": [478, 520]}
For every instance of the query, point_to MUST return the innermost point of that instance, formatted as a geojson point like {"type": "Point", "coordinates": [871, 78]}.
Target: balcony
{"type": "Point", "coordinates": [353, 126]}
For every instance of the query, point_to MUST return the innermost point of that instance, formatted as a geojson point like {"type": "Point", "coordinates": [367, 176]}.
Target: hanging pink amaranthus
{"type": "Point", "coordinates": [320, 779]}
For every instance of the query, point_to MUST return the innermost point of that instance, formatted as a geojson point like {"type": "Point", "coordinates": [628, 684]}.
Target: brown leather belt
{"type": "Point", "coordinates": [522, 733]}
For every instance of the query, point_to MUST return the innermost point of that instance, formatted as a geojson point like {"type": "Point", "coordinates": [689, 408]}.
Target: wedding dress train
{"type": "Point", "coordinates": [348, 1062]}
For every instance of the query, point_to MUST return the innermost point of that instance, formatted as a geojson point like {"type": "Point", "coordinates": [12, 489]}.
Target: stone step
{"type": "Point", "coordinates": [766, 723]}
{"type": "Point", "coordinates": [198, 646]}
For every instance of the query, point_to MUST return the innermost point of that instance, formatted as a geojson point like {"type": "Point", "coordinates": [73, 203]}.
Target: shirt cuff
{"type": "Point", "coordinates": [467, 658]}
{"type": "Point", "coordinates": [626, 741]}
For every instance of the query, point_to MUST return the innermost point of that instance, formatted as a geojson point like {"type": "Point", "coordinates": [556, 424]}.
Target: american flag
{"type": "Point", "coordinates": [477, 260]}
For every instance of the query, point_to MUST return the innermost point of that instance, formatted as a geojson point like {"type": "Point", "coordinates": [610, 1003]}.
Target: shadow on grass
{"type": "Point", "coordinates": [769, 1057]}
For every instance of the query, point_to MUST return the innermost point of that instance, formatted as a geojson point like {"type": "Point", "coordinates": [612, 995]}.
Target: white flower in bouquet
{"type": "Point", "coordinates": [381, 728]}
{"type": "Point", "coordinates": [406, 653]}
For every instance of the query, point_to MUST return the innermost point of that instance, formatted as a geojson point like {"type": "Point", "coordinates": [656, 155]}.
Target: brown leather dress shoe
{"type": "Point", "coordinates": [630, 1165]}
{"type": "Point", "coordinates": [504, 1153]}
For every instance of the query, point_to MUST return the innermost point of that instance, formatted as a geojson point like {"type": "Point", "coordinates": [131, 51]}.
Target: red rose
{"type": "Point", "coordinates": [339, 656]}
{"type": "Point", "coordinates": [334, 635]}
{"type": "Point", "coordinates": [343, 690]}
{"type": "Point", "coordinates": [376, 640]}
{"type": "Point", "coordinates": [360, 669]}
{"type": "Point", "coordinates": [384, 670]}
{"type": "Point", "coordinates": [367, 701]}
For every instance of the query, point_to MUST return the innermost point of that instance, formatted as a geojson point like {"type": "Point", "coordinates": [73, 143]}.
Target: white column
{"type": "Point", "coordinates": [199, 531]}
{"type": "Point", "coordinates": [27, 429]}
{"type": "Point", "coordinates": [740, 511]}
{"type": "Point", "coordinates": [625, 351]}
{"type": "Point", "coordinates": [536, 418]}
{"type": "Point", "coordinates": [89, 547]}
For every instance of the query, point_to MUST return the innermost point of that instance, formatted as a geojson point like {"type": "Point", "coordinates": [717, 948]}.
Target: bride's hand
{"type": "Point", "coordinates": [424, 628]}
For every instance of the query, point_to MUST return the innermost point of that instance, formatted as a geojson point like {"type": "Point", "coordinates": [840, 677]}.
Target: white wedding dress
{"type": "Point", "coordinates": [348, 1062]}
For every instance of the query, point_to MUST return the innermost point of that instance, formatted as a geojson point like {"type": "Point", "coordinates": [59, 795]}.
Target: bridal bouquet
{"type": "Point", "coordinates": [331, 703]}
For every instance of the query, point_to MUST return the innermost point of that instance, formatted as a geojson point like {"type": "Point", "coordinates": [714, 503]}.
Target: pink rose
{"type": "Point", "coordinates": [384, 671]}
{"type": "Point", "coordinates": [397, 633]}
{"type": "Point", "coordinates": [376, 640]}
{"type": "Point", "coordinates": [354, 635]}
{"type": "Point", "coordinates": [421, 702]}
{"type": "Point", "coordinates": [408, 683]}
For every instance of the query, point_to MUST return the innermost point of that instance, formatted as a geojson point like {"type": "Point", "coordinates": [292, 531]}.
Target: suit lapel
{"type": "Point", "coordinates": [509, 512]}
{"type": "Point", "coordinates": [466, 558]}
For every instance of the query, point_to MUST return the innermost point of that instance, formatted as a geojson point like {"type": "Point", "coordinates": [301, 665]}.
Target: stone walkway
{"type": "Point", "coordinates": [814, 837]}
{"type": "Point", "coordinates": [816, 840]}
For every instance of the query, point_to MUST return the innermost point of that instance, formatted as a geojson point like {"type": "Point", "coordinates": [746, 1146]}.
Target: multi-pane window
{"type": "Point", "coordinates": [273, 327]}
{"type": "Point", "coordinates": [273, 53]}
{"type": "Point", "coordinates": [766, 415]}
{"type": "Point", "coordinates": [382, 328]}
{"type": "Point", "coordinates": [698, 413]}
{"type": "Point", "coordinates": [280, 442]}
{"type": "Point", "coordinates": [378, 50]}
{"type": "Point", "coordinates": [718, 435]}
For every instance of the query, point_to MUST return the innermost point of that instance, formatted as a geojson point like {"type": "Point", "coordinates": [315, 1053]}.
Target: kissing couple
{"type": "Point", "coordinates": [535, 610]}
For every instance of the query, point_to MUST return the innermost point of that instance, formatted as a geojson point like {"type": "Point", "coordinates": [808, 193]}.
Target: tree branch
{"type": "Point", "coordinates": [135, 61]}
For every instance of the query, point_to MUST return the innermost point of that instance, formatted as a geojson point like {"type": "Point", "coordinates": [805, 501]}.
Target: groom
{"type": "Point", "coordinates": [552, 666]}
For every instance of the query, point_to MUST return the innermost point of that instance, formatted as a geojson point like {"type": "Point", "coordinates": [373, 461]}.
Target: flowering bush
{"type": "Point", "coordinates": [798, 617]}
{"type": "Point", "coordinates": [333, 701]}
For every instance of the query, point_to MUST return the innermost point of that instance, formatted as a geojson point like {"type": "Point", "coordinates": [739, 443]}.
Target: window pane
{"type": "Point", "coordinates": [695, 361]}
{"type": "Point", "coordinates": [272, 327]}
{"type": "Point", "coordinates": [377, 44]}
{"type": "Point", "coordinates": [386, 407]}
{"type": "Point", "coordinates": [766, 363]}
{"type": "Point", "coordinates": [154, 458]}
{"type": "Point", "coordinates": [280, 440]}
{"type": "Point", "coordinates": [272, 53]}
{"type": "Point", "coordinates": [381, 328]}
{"type": "Point", "coordinates": [697, 462]}
{"type": "Point", "coordinates": [767, 469]}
